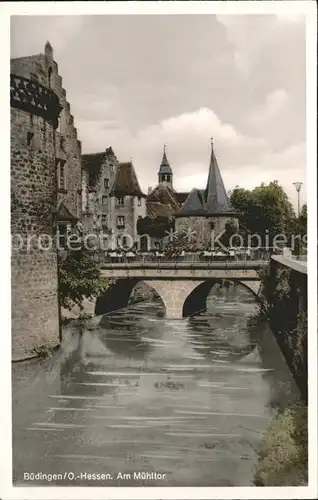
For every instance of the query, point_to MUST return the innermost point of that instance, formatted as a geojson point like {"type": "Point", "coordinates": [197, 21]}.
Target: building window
{"type": "Point", "coordinates": [104, 220]}
{"type": "Point", "coordinates": [144, 244]}
{"type": "Point", "coordinates": [62, 235]}
{"type": "Point", "coordinates": [78, 204]}
{"type": "Point", "coordinates": [49, 76]}
{"type": "Point", "coordinates": [106, 183]}
{"type": "Point", "coordinates": [62, 143]}
{"type": "Point", "coordinates": [61, 175]}
{"type": "Point", "coordinates": [122, 242]}
{"type": "Point", "coordinates": [168, 178]}
{"type": "Point", "coordinates": [139, 202]}
{"type": "Point", "coordinates": [120, 201]}
{"type": "Point", "coordinates": [91, 179]}
{"type": "Point", "coordinates": [104, 200]}
{"type": "Point", "coordinates": [120, 222]}
{"type": "Point", "coordinates": [61, 125]}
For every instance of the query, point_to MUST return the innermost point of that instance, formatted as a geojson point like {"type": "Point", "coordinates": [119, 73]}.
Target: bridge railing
{"type": "Point", "coordinates": [235, 255]}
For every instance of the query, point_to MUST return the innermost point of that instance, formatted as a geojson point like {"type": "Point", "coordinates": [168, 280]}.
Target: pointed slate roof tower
{"type": "Point", "coordinates": [216, 198]}
{"type": "Point", "coordinates": [211, 202]}
{"type": "Point", "coordinates": [165, 165]}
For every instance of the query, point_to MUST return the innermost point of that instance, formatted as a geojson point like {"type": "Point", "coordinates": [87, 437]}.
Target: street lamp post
{"type": "Point", "coordinates": [298, 188]}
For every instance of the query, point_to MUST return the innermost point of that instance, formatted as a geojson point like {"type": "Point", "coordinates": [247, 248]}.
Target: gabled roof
{"type": "Point", "coordinates": [157, 209]}
{"type": "Point", "coordinates": [63, 214]}
{"type": "Point", "coordinates": [165, 195]}
{"type": "Point", "coordinates": [213, 201]}
{"type": "Point", "coordinates": [165, 165]}
{"type": "Point", "coordinates": [92, 163]}
{"type": "Point", "coordinates": [126, 182]}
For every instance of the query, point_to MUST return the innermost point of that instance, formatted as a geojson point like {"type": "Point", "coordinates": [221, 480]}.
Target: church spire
{"type": "Point", "coordinates": [165, 171]}
{"type": "Point", "coordinates": [216, 199]}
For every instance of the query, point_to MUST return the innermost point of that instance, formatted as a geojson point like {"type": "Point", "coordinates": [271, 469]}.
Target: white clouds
{"type": "Point", "coordinates": [196, 128]}
{"type": "Point", "coordinates": [237, 78]}
{"type": "Point", "coordinates": [243, 160]}
{"type": "Point", "coordinates": [274, 104]}
{"type": "Point", "coordinates": [285, 166]}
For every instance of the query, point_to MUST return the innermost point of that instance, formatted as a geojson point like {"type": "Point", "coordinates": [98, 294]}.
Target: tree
{"type": "Point", "coordinates": [264, 210]}
{"type": "Point", "coordinates": [79, 278]}
{"type": "Point", "coordinates": [157, 228]}
{"type": "Point", "coordinates": [302, 221]}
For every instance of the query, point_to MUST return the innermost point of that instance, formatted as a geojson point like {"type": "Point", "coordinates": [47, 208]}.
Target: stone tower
{"type": "Point", "coordinates": [35, 313]}
{"type": "Point", "coordinates": [165, 175]}
{"type": "Point", "coordinates": [207, 209]}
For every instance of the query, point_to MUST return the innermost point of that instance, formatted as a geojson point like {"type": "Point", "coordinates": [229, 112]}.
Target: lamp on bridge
{"type": "Point", "coordinates": [298, 188]}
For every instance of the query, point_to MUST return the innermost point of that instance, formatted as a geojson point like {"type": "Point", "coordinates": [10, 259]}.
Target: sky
{"type": "Point", "coordinates": [138, 82]}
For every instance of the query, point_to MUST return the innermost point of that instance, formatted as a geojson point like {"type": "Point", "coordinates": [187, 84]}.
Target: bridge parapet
{"type": "Point", "coordinates": [205, 257]}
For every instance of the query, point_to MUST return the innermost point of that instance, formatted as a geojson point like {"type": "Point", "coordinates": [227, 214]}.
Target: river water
{"type": "Point", "coordinates": [186, 401]}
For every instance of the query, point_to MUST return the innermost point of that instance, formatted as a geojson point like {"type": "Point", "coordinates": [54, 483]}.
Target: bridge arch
{"type": "Point", "coordinates": [195, 302]}
{"type": "Point", "coordinates": [181, 297]}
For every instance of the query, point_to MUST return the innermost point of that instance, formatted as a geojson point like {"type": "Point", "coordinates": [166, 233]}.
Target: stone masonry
{"type": "Point", "coordinates": [35, 312]}
{"type": "Point", "coordinates": [173, 293]}
{"type": "Point", "coordinates": [98, 173]}
{"type": "Point", "coordinates": [43, 69]}
{"type": "Point", "coordinates": [205, 230]}
{"type": "Point", "coordinates": [113, 200]}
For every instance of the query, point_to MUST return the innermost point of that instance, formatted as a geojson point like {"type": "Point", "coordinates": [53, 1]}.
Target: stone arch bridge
{"type": "Point", "coordinates": [183, 287]}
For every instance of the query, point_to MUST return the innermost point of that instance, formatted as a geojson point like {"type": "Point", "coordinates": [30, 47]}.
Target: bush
{"type": "Point", "coordinates": [43, 351]}
{"type": "Point", "coordinates": [283, 456]}
{"type": "Point", "coordinates": [79, 278]}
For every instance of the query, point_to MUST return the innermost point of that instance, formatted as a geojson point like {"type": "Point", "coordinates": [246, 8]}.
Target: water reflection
{"type": "Point", "coordinates": [124, 332]}
{"type": "Point", "coordinates": [217, 344]}
{"type": "Point", "coordinates": [222, 333]}
{"type": "Point", "coordinates": [190, 398]}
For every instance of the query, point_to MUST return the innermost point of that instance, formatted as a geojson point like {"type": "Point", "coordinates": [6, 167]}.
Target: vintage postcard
{"type": "Point", "coordinates": [160, 316]}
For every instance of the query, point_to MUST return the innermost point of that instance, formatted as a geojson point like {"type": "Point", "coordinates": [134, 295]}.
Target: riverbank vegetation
{"type": "Point", "coordinates": [285, 298]}
{"type": "Point", "coordinates": [79, 278]}
{"type": "Point", "coordinates": [283, 454]}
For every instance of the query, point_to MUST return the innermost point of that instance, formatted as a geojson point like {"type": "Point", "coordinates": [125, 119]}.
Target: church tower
{"type": "Point", "coordinates": [165, 172]}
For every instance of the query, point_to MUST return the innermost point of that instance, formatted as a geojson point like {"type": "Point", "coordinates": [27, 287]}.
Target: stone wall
{"type": "Point", "coordinates": [203, 227]}
{"type": "Point", "coordinates": [100, 209]}
{"type": "Point", "coordinates": [35, 312]}
{"type": "Point", "coordinates": [284, 292]}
